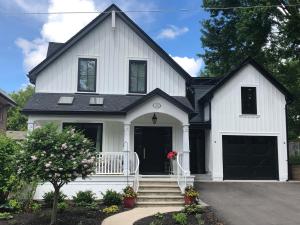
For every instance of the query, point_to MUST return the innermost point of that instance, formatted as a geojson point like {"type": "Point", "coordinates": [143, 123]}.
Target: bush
{"type": "Point", "coordinates": [8, 176]}
{"type": "Point", "coordinates": [5, 216]}
{"type": "Point", "coordinates": [84, 198]}
{"type": "Point", "coordinates": [62, 206]}
{"type": "Point", "coordinates": [158, 219]}
{"type": "Point", "coordinates": [199, 218]}
{"type": "Point", "coordinates": [193, 209]}
{"type": "Point", "coordinates": [14, 204]}
{"type": "Point", "coordinates": [111, 209]}
{"type": "Point", "coordinates": [180, 218]}
{"type": "Point", "coordinates": [35, 207]}
{"type": "Point", "coordinates": [48, 198]}
{"type": "Point", "coordinates": [112, 198]}
{"type": "Point", "coordinates": [295, 159]}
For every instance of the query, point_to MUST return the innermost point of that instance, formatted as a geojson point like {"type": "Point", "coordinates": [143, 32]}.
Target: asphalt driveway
{"type": "Point", "coordinates": [253, 203]}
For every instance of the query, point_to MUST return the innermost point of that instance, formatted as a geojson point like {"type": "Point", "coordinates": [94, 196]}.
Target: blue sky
{"type": "Point", "coordinates": [24, 38]}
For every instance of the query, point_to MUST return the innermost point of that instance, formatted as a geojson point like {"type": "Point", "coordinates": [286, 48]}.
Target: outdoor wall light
{"type": "Point", "coordinates": [154, 119]}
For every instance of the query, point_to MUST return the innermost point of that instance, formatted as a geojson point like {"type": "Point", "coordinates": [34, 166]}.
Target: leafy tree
{"type": "Point", "coordinates": [8, 173]}
{"type": "Point", "coordinates": [271, 35]}
{"type": "Point", "coordinates": [15, 119]}
{"type": "Point", "coordinates": [56, 157]}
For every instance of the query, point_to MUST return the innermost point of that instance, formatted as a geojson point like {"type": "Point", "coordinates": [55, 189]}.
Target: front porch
{"type": "Point", "coordinates": [130, 146]}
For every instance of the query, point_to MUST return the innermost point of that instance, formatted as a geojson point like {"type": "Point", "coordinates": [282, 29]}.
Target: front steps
{"type": "Point", "coordinates": [159, 191]}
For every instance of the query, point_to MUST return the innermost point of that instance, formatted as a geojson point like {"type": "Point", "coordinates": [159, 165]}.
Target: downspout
{"type": "Point", "coordinates": [287, 142]}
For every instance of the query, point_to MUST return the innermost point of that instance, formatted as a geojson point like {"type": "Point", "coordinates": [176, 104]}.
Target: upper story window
{"type": "Point", "coordinates": [137, 76]}
{"type": "Point", "coordinates": [249, 105]}
{"type": "Point", "coordinates": [87, 70]}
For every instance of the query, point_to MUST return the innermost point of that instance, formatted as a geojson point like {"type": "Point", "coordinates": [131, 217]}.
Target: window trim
{"type": "Point", "coordinates": [146, 76]}
{"type": "Point", "coordinates": [256, 101]}
{"type": "Point", "coordinates": [78, 79]}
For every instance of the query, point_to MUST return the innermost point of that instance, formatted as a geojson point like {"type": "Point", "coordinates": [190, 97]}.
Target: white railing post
{"type": "Point", "coordinates": [126, 149]}
{"type": "Point", "coordinates": [186, 149]}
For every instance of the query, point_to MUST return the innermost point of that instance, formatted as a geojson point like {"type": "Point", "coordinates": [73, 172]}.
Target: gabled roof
{"type": "Point", "coordinates": [47, 103]}
{"type": "Point", "coordinates": [180, 102]}
{"type": "Point", "coordinates": [7, 98]}
{"type": "Point", "coordinates": [53, 47]}
{"type": "Point", "coordinates": [99, 19]}
{"type": "Point", "coordinates": [257, 66]}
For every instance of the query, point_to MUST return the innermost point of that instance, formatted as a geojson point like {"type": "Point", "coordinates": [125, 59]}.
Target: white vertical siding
{"type": "Point", "coordinates": [227, 119]}
{"type": "Point", "coordinates": [112, 49]}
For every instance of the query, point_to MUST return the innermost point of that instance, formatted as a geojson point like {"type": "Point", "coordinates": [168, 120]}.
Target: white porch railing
{"type": "Point", "coordinates": [136, 182]}
{"type": "Point", "coordinates": [181, 173]}
{"type": "Point", "coordinates": [110, 163]}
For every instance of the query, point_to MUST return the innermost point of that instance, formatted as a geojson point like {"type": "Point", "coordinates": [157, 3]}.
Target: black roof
{"type": "Point", "coordinates": [8, 100]}
{"type": "Point", "coordinates": [220, 82]}
{"type": "Point", "coordinates": [47, 103]}
{"type": "Point", "coordinates": [53, 47]}
{"type": "Point", "coordinates": [60, 50]}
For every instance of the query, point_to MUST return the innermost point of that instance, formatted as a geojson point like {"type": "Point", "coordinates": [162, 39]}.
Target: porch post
{"type": "Point", "coordinates": [186, 149]}
{"type": "Point", "coordinates": [126, 147]}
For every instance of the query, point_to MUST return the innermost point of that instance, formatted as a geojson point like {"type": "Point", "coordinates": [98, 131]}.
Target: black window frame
{"type": "Point", "coordinates": [246, 109]}
{"type": "Point", "coordinates": [145, 81]}
{"type": "Point", "coordinates": [82, 126]}
{"type": "Point", "coordinates": [78, 75]}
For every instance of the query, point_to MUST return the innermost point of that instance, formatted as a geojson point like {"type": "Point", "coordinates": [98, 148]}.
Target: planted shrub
{"type": "Point", "coordinates": [84, 198]}
{"type": "Point", "coordinates": [14, 204]}
{"type": "Point", "coordinates": [5, 216]}
{"type": "Point", "coordinates": [180, 218]}
{"type": "Point", "coordinates": [36, 207]}
{"type": "Point", "coordinates": [199, 218]}
{"type": "Point", "coordinates": [49, 196]}
{"type": "Point", "coordinates": [193, 209]}
{"type": "Point", "coordinates": [62, 206]}
{"type": "Point", "coordinates": [158, 219]}
{"type": "Point", "coordinates": [111, 209]}
{"type": "Point", "coordinates": [111, 197]}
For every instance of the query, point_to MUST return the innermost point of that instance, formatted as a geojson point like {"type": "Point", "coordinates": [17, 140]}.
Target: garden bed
{"type": "Point", "coordinates": [209, 218]}
{"type": "Point", "coordinates": [71, 216]}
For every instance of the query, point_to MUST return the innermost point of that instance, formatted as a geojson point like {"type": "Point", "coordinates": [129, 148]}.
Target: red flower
{"type": "Point", "coordinates": [172, 155]}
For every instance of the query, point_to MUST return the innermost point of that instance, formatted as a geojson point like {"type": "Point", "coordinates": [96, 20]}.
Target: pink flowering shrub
{"type": "Point", "coordinates": [56, 157]}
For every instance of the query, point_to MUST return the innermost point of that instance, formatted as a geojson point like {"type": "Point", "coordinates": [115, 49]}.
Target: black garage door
{"type": "Point", "coordinates": [250, 157]}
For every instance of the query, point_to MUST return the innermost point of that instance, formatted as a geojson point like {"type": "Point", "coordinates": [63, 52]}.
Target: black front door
{"type": "Point", "coordinates": [152, 145]}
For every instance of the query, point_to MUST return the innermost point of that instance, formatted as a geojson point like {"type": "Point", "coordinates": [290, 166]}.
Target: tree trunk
{"type": "Point", "coordinates": [54, 207]}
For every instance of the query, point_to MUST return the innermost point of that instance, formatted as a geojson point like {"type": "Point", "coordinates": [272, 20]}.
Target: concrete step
{"type": "Point", "coordinates": [159, 193]}
{"type": "Point", "coordinates": [160, 199]}
{"type": "Point", "coordinates": [160, 204]}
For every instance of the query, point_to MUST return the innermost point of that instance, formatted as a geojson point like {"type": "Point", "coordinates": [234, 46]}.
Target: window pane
{"type": "Point", "coordinates": [137, 76]}
{"type": "Point", "coordinates": [249, 105]}
{"type": "Point", "coordinates": [87, 75]}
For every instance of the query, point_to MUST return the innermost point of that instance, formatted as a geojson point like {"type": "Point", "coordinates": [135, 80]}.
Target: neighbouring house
{"type": "Point", "coordinates": [5, 102]}
{"type": "Point", "coordinates": [112, 81]}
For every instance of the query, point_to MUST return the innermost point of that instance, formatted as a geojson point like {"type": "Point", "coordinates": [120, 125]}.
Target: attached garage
{"type": "Point", "coordinates": [250, 157]}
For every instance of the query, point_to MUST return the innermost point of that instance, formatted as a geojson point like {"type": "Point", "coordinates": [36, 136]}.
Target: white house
{"type": "Point", "coordinates": [112, 81]}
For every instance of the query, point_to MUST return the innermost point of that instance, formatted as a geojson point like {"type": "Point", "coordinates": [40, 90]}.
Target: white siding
{"type": "Point", "coordinates": [227, 119]}
{"type": "Point", "coordinates": [112, 49]}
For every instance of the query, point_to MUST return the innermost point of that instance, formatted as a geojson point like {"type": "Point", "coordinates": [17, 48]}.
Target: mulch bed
{"type": "Point", "coordinates": [209, 219]}
{"type": "Point", "coordinates": [71, 216]}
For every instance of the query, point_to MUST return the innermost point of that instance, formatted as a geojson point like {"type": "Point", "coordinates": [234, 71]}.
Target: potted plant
{"type": "Point", "coordinates": [190, 195]}
{"type": "Point", "coordinates": [171, 156]}
{"type": "Point", "coordinates": [129, 197]}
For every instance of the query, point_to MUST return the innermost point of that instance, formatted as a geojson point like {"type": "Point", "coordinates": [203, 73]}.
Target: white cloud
{"type": "Point", "coordinates": [61, 27]}
{"type": "Point", "coordinates": [190, 65]}
{"type": "Point", "coordinates": [172, 32]}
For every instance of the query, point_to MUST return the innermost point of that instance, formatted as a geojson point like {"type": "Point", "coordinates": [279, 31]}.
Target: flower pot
{"type": "Point", "coordinates": [295, 169]}
{"type": "Point", "coordinates": [189, 200]}
{"type": "Point", "coordinates": [129, 202]}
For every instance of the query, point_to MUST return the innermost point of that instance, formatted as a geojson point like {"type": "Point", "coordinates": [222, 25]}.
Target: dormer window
{"type": "Point", "coordinates": [137, 76]}
{"type": "Point", "coordinates": [87, 70]}
{"type": "Point", "coordinates": [249, 105]}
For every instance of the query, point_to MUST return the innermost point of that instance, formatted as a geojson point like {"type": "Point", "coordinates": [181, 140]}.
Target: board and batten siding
{"type": "Point", "coordinates": [227, 118]}
{"type": "Point", "coordinates": [113, 49]}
